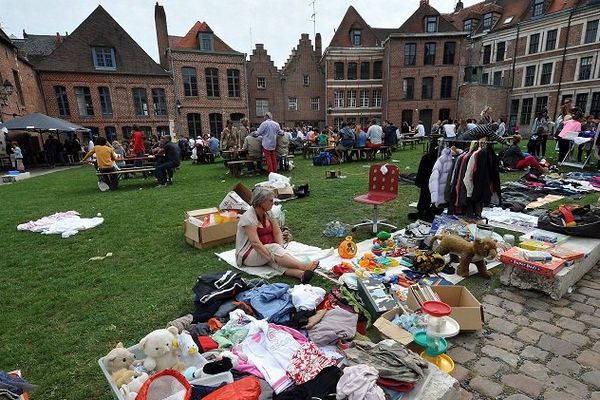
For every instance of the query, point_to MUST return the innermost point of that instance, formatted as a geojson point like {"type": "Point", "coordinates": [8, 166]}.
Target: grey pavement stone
{"type": "Point", "coordinates": [540, 304]}
{"type": "Point", "coordinates": [486, 366]}
{"type": "Point", "coordinates": [491, 299]}
{"type": "Point", "coordinates": [525, 384]}
{"type": "Point", "coordinates": [529, 335]}
{"type": "Point", "coordinates": [532, 294]}
{"type": "Point", "coordinates": [556, 346]}
{"type": "Point", "coordinates": [494, 310]}
{"type": "Point", "coordinates": [513, 307]}
{"type": "Point", "coordinates": [595, 293]}
{"type": "Point", "coordinates": [460, 373]}
{"type": "Point", "coordinates": [505, 342]}
{"type": "Point", "coordinates": [564, 366]}
{"type": "Point", "coordinates": [593, 301]}
{"type": "Point", "coordinates": [541, 315]}
{"type": "Point", "coordinates": [582, 308]}
{"type": "Point", "coordinates": [485, 386]}
{"type": "Point", "coordinates": [468, 341]}
{"type": "Point", "coordinates": [552, 394]}
{"type": "Point", "coordinates": [595, 396]}
{"type": "Point", "coordinates": [592, 378]}
{"type": "Point", "coordinates": [575, 338]}
{"type": "Point", "coordinates": [577, 297]}
{"type": "Point", "coordinates": [518, 396]}
{"type": "Point", "coordinates": [461, 355]}
{"type": "Point", "coordinates": [512, 296]}
{"type": "Point", "coordinates": [590, 320]}
{"type": "Point", "coordinates": [494, 352]}
{"type": "Point", "coordinates": [568, 385]}
{"type": "Point", "coordinates": [518, 319]}
{"type": "Point", "coordinates": [564, 311]}
{"type": "Point", "coordinates": [533, 353]}
{"type": "Point", "coordinates": [501, 325]}
{"type": "Point", "coordinates": [596, 347]}
{"type": "Point", "coordinates": [562, 302]}
{"type": "Point", "coordinates": [545, 327]}
{"type": "Point", "coordinates": [594, 333]}
{"type": "Point", "coordinates": [589, 359]}
{"type": "Point", "coordinates": [537, 371]}
{"type": "Point", "coordinates": [571, 324]}
{"type": "Point", "coordinates": [590, 284]}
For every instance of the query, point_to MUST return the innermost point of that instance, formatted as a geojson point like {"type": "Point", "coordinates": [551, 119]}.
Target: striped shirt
{"type": "Point", "coordinates": [481, 131]}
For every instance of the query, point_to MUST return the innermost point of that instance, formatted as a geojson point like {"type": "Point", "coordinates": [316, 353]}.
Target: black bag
{"type": "Point", "coordinates": [218, 286]}
{"type": "Point", "coordinates": [572, 220]}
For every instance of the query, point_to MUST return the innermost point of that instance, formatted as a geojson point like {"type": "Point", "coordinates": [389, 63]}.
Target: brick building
{"type": "Point", "coordinates": [100, 78]}
{"type": "Point", "coordinates": [265, 86]}
{"type": "Point", "coordinates": [209, 77]}
{"type": "Point", "coordinates": [423, 66]}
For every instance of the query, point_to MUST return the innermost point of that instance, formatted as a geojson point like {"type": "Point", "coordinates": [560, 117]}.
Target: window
{"type": "Point", "coordinates": [444, 114]}
{"type": "Point", "coordinates": [194, 125]}
{"type": "Point", "coordinates": [215, 121]}
{"type": "Point", "coordinates": [591, 30]}
{"type": "Point", "coordinates": [427, 90]}
{"type": "Point", "coordinates": [485, 78]}
{"type": "Point", "coordinates": [212, 82]}
{"type": "Point", "coordinates": [364, 70]}
{"type": "Point", "coordinates": [62, 101]}
{"type": "Point", "coordinates": [262, 107]}
{"type": "Point", "coordinates": [431, 24]}
{"type": "Point", "coordinates": [315, 103]}
{"type": "Point", "coordinates": [293, 103]}
{"type": "Point", "coordinates": [407, 116]}
{"type": "Point", "coordinates": [468, 25]}
{"type": "Point", "coordinates": [84, 101]}
{"type": "Point", "coordinates": [140, 101]}
{"type": "Point", "coordinates": [261, 83]}
{"type": "Point", "coordinates": [105, 102]}
{"type": "Point", "coordinates": [337, 122]}
{"type": "Point", "coordinates": [352, 67]}
{"type": "Point", "coordinates": [339, 71]}
{"type": "Point", "coordinates": [104, 58]}
{"type": "Point", "coordinates": [534, 43]}
{"type": "Point", "coordinates": [306, 80]}
{"type": "Point", "coordinates": [233, 82]}
{"type": "Point", "coordinates": [595, 108]}
{"type": "Point", "coordinates": [355, 37]}
{"type": "Point", "coordinates": [206, 41]}
{"type": "Point", "coordinates": [446, 89]}
{"type": "Point", "coordinates": [126, 132]}
{"type": "Point", "coordinates": [408, 88]}
{"type": "Point", "coordinates": [429, 58]}
{"type": "Point", "coordinates": [449, 50]}
{"type": "Point", "coordinates": [190, 81]}
{"type": "Point", "coordinates": [147, 131]}
{"type": "Point", "coordinates": [551, 39]}
{"type": "Point", "coordinates": [487, 54]}
{"type": "Point", "coordinates": [585, 68]}
{"type": "Point", "coordinates": [581, 101]}
{"type": "Point", "coordinates": [377, 70]}
{"type": "Point", "coordinates": [111, 133]}
{"type": "Point", "coordinates": [351, 98]}
{"type": "Point", "coordinates": [538, 8]}
{"type": "Point", "coordinates": [530, 75]}
{"type": "Point", "coordinates": [541, 103]}
{"type": "Point", "coordinates": [338, 99]}
{"type": "Point", "coordinates": [546, 74]}
{"type": "Point", "coordinates": [500, 51]}
{"type": "Point", "coordinates": [364, 121]}
{"type": "Point", "coordinates": [526, 111]}
{"type": "Point", "coordinates": [514, 113]}
{"type": "Point", "coordinates": [160, 101]}
{"type": "Point", "coordinates": [497, 79]}
{"type": "Point", "coordinates": [410, 54]}
{"type": "Point", "coordinates": [377, 98]}
{"type": "Point", "coordinates": [487, 21]}
{"type": "Point", "coordinates": [364, 98]}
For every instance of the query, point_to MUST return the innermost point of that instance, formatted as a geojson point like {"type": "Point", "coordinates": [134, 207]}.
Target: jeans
{"type": "Point", "coordinates": [529, 161]}
{"type": "Point", "coordinates": [161, 171]}
{"type": "Point", "coordinates": [111, 180]}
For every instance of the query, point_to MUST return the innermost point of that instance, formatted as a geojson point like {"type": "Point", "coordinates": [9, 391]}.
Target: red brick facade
{"type": "Point", "coordinates": [265, 86]}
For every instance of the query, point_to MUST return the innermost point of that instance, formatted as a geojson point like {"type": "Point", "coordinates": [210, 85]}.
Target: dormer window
{"type": "Point", "coordinates": [487, 21]}
{"type": "Point", "coordinates": [206, 41]}
{"type": "Point", "coordinates": [104, 58]}
{"type": "Point", "coordinates": [355, 37]}
{"type": "Point", "coordinates": [431, 24]}
{"type": "Point", "coordinates": [468, 25]}
{"type": "Point", "coordinates": [538, 8]}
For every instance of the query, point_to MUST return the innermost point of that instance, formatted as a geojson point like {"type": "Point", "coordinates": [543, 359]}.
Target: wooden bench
{"type": "Point", "coordinates": [235, 167]}
{"type": "Point", "coordinates": [127, 171]}
{"type": "Point", "coordinates": [412, 142]}
{"type": "Point", "coordinates": [314, 150]}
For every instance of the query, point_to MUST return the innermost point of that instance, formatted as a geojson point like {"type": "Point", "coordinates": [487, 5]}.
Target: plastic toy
{"type": "Point", "coordinates": [347, 249]}
{"type": "Point", "coordinates": [383, 243]}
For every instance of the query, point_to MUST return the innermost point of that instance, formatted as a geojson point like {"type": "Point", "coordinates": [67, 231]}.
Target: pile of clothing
{"type": "Point", "coordinates": [12, 386]}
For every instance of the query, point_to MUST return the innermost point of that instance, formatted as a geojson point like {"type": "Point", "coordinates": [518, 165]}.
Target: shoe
{"type": "Point", "coordinates": [161, 185]}
{"type": "Point", "coordinates": [306, 277]}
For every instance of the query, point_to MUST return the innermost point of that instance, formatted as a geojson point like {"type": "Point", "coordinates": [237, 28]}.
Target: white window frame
{"type": "Point", "coordinates": [535, 75]}
{"type": "Point", "coordinates": [364, 98]}
{"type": "Point", "coordinates": [338, 99]}
{"type": "Point", "coordinates": [262, 107]}
{"type": "Point", "coordinates": [260, 79]}
{"type": "Point", "coordinates": [292, 103]}
{"type": "Point", "coordinates": [377, 98]}
{"type": "Point", "coordinates": [315, 103]}
{"type": "Point", "coordinates": [592, 67]}
{"type": "Point", "coordinates": [306, 80]}
{"type": "Point", "coordinates": [352, 98]}
{"type": "Point", "coordinates": [551, 73]}
{"type": "Point", "coordinates": [112, 56]}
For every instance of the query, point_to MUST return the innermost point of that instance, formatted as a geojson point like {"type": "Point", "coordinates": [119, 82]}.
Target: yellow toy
{"type": "Point", "coordinates": [347, 249]}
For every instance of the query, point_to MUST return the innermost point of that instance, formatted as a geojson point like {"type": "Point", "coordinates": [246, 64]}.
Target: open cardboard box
{"type": "Point", "coordinates": [388, 329]}
{"type": "Point", "coordinates": [209, 236]}
{"type": "Point", "coordinates": [466, 309]}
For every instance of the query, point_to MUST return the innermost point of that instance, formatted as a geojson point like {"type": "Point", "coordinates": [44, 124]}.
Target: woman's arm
{"type": "Point", "coordinates": [88, 155]}
{"type": "Point", "coordinates": [255, 241]}
{"type": "Point", "coordinates": [277, 234]}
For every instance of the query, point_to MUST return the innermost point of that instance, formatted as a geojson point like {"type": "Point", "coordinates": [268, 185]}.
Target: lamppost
{"type": "Point", "coordinates": [5, 91]}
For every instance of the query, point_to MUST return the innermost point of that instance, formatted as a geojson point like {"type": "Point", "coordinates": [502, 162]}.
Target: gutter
{"type": "Point", "coordinates": [562, 66]}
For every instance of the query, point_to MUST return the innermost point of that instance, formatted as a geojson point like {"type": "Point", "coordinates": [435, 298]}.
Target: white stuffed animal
{"type": "Point", "coordinates": [190, 355]}
{"type": "Point", "coordinates": [131, 389]}
{"type": "Point", "coordinates": [161, 349]}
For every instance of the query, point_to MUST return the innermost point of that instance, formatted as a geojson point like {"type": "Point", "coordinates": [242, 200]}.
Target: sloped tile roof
{"type": "Point", "coordinates": [37, 47]}
{"type": "Point", "coordinates": [190, 40]}
{"type": "Point", "coordinates": [416, 22]}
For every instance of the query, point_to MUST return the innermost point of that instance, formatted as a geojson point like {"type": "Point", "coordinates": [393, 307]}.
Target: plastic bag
{"type": "Point", "coordinates": [336, 229]}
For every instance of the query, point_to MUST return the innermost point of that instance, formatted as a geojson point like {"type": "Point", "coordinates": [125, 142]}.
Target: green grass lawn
{"type": "Point", "coordinates": [61, 312]}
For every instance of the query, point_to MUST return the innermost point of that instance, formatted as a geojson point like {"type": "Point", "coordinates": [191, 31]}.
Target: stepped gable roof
{"type": "Point", "coordinates": [74, 54]}
{"type": "Point", "coordinates": [416, 22]}
{"type": "Point", "coordinates": [190, 40]}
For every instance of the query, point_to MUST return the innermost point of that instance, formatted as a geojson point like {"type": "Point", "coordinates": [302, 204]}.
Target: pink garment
{"type": "Point", "coordinates": [528, 161]}
{"type": "Point", "coordinates": [571, 125]}
{"type": "Point", "coordinates": [307, 363]}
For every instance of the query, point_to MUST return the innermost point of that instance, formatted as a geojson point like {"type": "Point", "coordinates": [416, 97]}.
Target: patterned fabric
{"type": "Point", "coordinates": [307, 362]}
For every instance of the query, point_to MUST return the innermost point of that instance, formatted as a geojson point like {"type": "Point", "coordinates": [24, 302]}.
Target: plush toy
{"type": "Point", "coordinates": [122, 376]}
{"type": "Point", "coordinates": [190, 356]}
{"type": "Point", "coordinates": [161, 349]}
{"type": "Point", "coordinates": [118, 358]}
{"type": "Point", "coordinates": [469, 252]}
{"type": "Point", "coordinates": [131, 389]}
{"type": "Point", "coordinates": [225, 362]}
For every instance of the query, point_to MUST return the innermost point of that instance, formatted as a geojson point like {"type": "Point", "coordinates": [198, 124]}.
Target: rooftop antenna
{"type": "Point", "coordinates": [251, 44]}
{"type": "Point", "coordinates": [313, 17]}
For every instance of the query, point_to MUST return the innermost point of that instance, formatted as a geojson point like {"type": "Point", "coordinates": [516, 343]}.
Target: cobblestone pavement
{"type": "Point", "coordinates": [533, 347]}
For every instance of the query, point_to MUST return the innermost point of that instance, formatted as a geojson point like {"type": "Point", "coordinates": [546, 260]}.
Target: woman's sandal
{"type": "Point", "coordinates": [307, 276]}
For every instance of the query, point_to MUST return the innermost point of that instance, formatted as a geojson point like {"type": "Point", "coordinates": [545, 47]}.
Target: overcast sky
{"type": "Point", "coordinates": [240, 23]}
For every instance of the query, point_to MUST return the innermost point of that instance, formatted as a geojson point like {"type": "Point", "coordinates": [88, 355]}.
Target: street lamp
{"type": "Point", "coordinates": [5, 91]}
{"type": "Point", "coordinates": [178, 105]}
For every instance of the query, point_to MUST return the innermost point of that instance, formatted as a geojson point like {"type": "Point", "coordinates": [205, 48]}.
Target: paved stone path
{"type": "Point", "coordinates": [533, 347]}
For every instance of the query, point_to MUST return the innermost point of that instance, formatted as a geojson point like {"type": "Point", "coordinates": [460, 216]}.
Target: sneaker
{"type": "Point", "coordinates": [161, 185]}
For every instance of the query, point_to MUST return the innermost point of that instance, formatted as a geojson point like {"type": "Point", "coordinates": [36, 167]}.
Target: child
{"type": "Point", "coordinates": [18, 157]}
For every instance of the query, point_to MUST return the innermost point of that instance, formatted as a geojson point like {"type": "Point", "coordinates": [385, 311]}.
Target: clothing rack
{"type": "Point", "coordinates": [449, 142]}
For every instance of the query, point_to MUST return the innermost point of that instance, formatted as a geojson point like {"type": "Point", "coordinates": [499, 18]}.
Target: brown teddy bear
{"type": "Point", "coordinates": [469, 252]}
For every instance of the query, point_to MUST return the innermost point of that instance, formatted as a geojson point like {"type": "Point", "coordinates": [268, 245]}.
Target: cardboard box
{"type": "Point", "coordinates": [209, 236]}
{"type": "Point", "coordinates": [374, 297]}
{"type": "Point", "coordinates": [233, 201]}
{"type": "Point", "coordinates": [515, 258]}
{"type": "Point", "coordinates": [466, 309]}
{"type": "Point", "coordinates": [390, 330]}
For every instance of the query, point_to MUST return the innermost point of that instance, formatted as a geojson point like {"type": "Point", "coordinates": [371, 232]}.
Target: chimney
{"type": "Point", "coordinates": [58, 38]}
{"type": "Point", "coordinates": [426, 2]}
{"type": "Point", "coordinates": [459, 6]}
{"type": "Point", "coordinates": [318, 49]}
{"type": "Point", "coordinates": [162, 35]}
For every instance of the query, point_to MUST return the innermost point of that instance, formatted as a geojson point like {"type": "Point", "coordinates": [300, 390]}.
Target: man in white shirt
{"type": "Point", "coordinates": [420, 129]}
{"type": "Point", "coordinates": [375, 135]}
{"type": "Point", "coordinates": [450, 129]}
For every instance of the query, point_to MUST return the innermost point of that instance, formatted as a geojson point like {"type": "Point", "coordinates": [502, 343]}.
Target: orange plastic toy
{"type": "Point", "coordinates": [347, 249]}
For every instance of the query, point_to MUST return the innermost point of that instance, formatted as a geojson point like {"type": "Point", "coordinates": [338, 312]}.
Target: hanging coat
{"type": "Point", "coordinates": [439, 177]}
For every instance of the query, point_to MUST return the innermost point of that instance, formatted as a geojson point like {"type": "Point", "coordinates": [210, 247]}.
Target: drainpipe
{"type": "Point", "coordinates": [246, 86]}
{"type": "Point", "coordinates": [562, 67]}
{"type": "Point", "coordinates": [512, 78]}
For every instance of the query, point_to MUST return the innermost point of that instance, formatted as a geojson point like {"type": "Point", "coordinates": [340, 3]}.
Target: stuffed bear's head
{"type": "Point", "coordinates": [485, 248]}
{"type": "Point", "coordinates": [159, 342]}
{"type": "Point", "coordinates": [187, 344]}
{"type": "Point", "coordinates": [118, 358]}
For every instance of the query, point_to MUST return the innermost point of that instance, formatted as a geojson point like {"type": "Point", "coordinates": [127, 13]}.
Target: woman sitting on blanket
{"type": "Point", "coordinates": [259, 240]}
{"type": "Point", "coordinates": [514, 158]}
